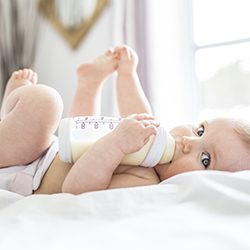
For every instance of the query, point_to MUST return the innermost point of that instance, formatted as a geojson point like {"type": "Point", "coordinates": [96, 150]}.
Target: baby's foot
{"type": "Point", "coordinates": [20, 78]}
{"type": "Point", "coordinates": [98, 69]}
{"type": "Point", "coordinates": [127, 59]}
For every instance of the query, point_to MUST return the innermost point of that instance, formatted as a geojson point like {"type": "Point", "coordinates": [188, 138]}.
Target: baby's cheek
{"type": "Point", "coordinates": [181, 166]}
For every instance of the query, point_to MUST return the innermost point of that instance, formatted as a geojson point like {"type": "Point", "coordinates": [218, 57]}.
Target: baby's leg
{"type": "Point", "coordinates": [87, 102]}
{"type": "Point", "coordinates": [29, 117]}
{"type": "Point", "coordinates": [130, 96]}
{"type": "Point", "coordinates": [90, 78]}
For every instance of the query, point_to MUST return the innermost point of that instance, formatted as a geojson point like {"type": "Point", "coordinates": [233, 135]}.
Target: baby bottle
{"type": "Point", "coordinates": [77, 134]}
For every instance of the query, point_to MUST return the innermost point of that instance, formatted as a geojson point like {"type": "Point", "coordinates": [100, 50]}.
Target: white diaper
{"type": "Point", "coordinates": [26, 179]}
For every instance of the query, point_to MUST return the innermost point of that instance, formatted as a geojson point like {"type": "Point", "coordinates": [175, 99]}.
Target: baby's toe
{"type": "Point", "coordinates": [125, 53]}
{"type": "Point", "coordinates": [19, 74]}
{"type": "Point", "coordinates": [30, 74]}
{"type": "Point", "coordinates": [14, 75]}
{"type": "Point", "coordinates": [109, 52]}
{"type": "Point", "coordinates": [25, 73]}
{"type": "Point", "coordinates": [33, 78]}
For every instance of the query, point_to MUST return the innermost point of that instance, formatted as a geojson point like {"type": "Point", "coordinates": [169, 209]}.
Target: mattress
{"type": "Point", "coordinates": [194, 210]}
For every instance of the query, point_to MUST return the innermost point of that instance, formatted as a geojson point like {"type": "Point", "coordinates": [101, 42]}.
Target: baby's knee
{"type": "Point", "coordinates": [42, 100]}
{"type": "Point", "coordinates": [39, 99]}
{"type": "Point", "coordinates": [41, 105]}
{"type": "Point", "coordinates": [47, 99]}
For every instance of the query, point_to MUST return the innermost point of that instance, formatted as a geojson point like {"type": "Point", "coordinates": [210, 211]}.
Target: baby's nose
{"type": "Point", "coordinates": [188, 143]}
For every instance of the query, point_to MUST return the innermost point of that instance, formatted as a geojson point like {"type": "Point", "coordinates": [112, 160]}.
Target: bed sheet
{"type": "Point", "coordinates": [194, 210]}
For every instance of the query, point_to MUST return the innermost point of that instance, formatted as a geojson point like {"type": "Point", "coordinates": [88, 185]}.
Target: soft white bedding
{"type": "Point", "coordinates": [197, 210]}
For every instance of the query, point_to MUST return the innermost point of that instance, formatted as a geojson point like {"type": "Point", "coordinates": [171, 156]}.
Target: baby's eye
{"type": "Point", "coordinates": [200, 130]}
{"type": "Point", "coordinates": [205, 159]}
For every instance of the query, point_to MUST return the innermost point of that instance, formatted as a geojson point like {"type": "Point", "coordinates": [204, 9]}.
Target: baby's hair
{"type": "Point", "coordinates": [242, 128]}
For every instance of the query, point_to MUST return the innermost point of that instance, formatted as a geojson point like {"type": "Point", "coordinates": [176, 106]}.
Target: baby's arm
{"type": "Point", "coordinates": [94, 169]}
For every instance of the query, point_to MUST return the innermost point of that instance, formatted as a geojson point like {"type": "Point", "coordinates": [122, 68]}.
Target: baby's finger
{"type": "Point", "coordinates": [150, 130]}
{"type": "Point", "coordinates": [143, 116]}
{"type": "Point", "coordinates": [150, 122]}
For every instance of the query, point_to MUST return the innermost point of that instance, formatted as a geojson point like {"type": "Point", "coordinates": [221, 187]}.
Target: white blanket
{"type": "Point", "coordinates": [196, 210]}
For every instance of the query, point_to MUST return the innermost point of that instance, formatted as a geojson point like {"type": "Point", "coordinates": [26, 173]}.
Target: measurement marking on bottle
{"type": "Point", "coordinates": [96, 122]}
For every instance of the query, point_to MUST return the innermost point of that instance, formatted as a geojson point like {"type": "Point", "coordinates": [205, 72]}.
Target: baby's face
{"type": "Point", "coordinates": [212, 145]}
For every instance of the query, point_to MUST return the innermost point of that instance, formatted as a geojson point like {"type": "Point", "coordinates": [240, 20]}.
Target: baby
{"type": "Point", "coordinates": [31, 113]}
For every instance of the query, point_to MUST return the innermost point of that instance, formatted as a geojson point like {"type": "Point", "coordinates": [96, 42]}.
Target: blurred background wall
{"type": "Point", "coordinates": [191, 66]}
{"type": "Point", "coordinates": [56, 62]}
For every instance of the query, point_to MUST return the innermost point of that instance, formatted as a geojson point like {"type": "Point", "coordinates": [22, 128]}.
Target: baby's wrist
{"type": "Point", "coordinates": [115, 145]}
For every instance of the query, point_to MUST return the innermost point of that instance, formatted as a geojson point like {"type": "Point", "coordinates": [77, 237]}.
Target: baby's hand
{"type": "Point", "coordinates": [134, 132]}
